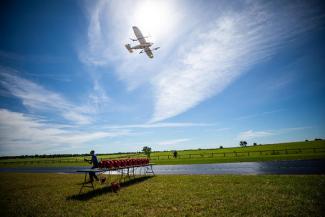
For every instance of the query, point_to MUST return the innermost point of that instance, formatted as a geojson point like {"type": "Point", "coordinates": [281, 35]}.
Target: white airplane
{"type": "Point", "coordinates": [144, 45]}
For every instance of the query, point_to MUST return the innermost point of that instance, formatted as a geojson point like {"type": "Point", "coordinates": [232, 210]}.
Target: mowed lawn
{"type": "Point", "coordinates": [169, 195]}
{"type": "Point", "coordinates": [281, 151]}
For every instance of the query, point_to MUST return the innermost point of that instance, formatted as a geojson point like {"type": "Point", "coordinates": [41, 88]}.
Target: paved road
{"type": "Point", "coordinates": [273, 167]}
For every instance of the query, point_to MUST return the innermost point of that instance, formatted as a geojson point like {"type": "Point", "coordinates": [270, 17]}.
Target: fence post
{"type": "Point", "coordinates": [247, 153]}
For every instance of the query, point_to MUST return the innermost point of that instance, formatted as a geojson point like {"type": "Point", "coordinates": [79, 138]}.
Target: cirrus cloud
{"type": "Point", "coordinates": [26, 134]}
{"type": "Point", "coordinates": [216, 54]}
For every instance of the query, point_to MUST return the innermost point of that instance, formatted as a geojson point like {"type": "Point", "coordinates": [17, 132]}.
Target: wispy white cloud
{"type": "Point", "coordinates": [39, 98]}
{"type": "Point", "coordinates": [31, 94]}
{"type": "Point", "coordinates": [25, 134]}
{"type": "Point", "coordinates": [251, 134]}
{"type": "Point", "coordinates": [224, 49]}
{"type": "Point", "coordinates": [168, 143]}
{"type": "Point", "coordinates": [76, 117]}
{"type": "Point", "coordinates": [105, 31]}
{"type": "Point", "coordinates": [98, 97]}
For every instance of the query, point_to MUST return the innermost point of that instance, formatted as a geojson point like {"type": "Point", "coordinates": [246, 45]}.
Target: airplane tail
{"type": "Point", "coordinates": [129, 48]}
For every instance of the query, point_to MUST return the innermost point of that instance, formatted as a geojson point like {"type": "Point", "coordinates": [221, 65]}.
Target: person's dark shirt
{"type": "Point", "coordinates": [94, 161]}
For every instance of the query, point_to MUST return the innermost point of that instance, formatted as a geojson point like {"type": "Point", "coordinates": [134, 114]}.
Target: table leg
{"type": "Point", "coordinates": [84, 184]}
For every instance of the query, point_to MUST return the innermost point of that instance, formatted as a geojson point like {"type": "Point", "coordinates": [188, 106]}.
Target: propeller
{"type": "Point", "coordinates": [156, 48]}
{"type": "Point", "coordinates": [141, 52]}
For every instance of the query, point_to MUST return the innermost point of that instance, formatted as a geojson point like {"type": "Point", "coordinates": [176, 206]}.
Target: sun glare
{"type": "Point", "coordinates": [155, 18]}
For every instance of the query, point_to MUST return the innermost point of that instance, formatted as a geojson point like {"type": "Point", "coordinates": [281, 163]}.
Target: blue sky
{"type": "Point", "coordinates": [226, 71]}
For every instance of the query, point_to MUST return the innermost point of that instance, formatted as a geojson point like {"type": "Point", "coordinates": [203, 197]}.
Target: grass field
{"type": "Point", "coordinates": [283, 151]}
{"type": "Point", "coordinates": [186, 195]}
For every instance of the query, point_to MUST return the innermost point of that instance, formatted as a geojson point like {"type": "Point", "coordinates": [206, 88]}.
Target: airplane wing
{"type": "Point", "coordinates": [148, 52]}
{"type": "Point", "coordinates": [139, 35]}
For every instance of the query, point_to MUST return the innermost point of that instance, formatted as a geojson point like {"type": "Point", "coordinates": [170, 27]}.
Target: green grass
{"type": "Point", "coordinates": [283, 151]}
{"type": "Point", "coordinates": [171, 195]}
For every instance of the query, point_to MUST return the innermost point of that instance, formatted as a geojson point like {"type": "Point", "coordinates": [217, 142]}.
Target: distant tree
{"type": "Point", "coordinates": [318, 139]}
{"type": "Point", "coordinates": [147, 151]}
{"type": "Point", "coordinates": [306, 140]}
{"type": "Point", "coordinates": [242, 143]}
{"type": "Point", "coordinates": [255, 144]}
{"type": "Point", "coordinates": [221, 147]}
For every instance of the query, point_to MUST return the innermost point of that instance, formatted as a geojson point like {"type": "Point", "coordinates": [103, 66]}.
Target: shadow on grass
{"type": "Point", "coordinates": [105, 190]}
